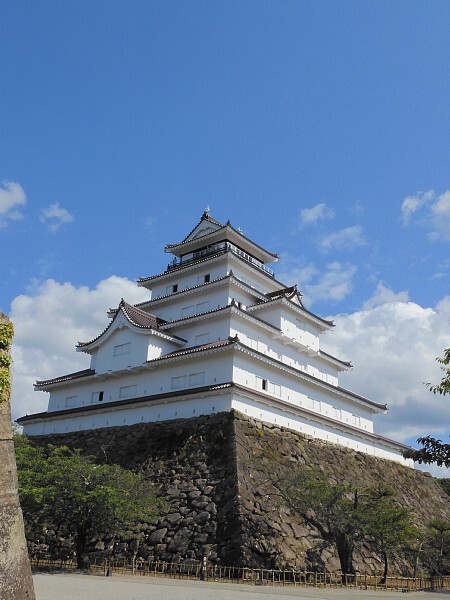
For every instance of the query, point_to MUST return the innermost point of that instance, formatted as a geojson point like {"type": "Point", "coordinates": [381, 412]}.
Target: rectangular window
{"type": "Point", "coordinates": [274, 388]}
{"type": "Point", "coordinates": [122, 349]}
{"type": "Point", "coordinates": [171, 289]}
{"type": "Point", "coordinates": [201, 339]}
{"type": "Point", "coordinates": [261, 383]}
{"type": "Point", "coordinates": [71, 401]}
{"type": "Point", "coordinates": [203, 279]}
{"type": "Point", "coordinates": [96, 397]}
{"type": "Point", "coordinates": [128, 391]}
{"type": "Point", "coordinates": [179, 383]}
{"type": "Point", "coordinates": [188, 311]}
{"type": "Point", "coordinates": [202, 307]}
{"type": "Point", "coordinates": [196, 379]}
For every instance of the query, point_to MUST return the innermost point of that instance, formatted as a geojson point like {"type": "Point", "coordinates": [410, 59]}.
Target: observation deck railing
{"type": "Point", "coordinates": [217, 249]}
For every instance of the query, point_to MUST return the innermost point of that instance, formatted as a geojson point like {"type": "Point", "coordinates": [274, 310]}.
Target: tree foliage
{"type": "Point", "coordinates": [60, 488]}
{"type": "Point", "coordinates": [331, 509]}
{"type": "Point", "coordinates": [344, 515]}
{"type": "Point", "coordinates": [6, 336]}
{"type": "Point", "coordinates": [444, 386]}
{"type": "Point", "coordinates": [444, 483]}
{"type": "Point", "coordinates": [435, 549]}
{"type": "Point", "coordinates": [386, 525]}
{"type": "Point", "coordinates": [433, 450]}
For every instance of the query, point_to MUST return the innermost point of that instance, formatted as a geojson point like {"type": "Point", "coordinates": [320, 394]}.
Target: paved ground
{"type": "Point", "coordinates": [90, 587]}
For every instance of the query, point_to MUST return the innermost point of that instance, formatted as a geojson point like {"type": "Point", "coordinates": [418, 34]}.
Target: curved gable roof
{"type": "Point", "coordinates": [136, 317]}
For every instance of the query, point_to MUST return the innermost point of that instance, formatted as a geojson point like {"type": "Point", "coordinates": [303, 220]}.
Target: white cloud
{"type": "Point", "coordinates": [55, 216]}
{"type": "Point", "coordinates": [333, 282]}
{"type": "Point", "coordinates": [437, 212]}
{"type": "Point", "coordinates": [49, 323]}
{"type": "Point", "coordinates": [350, 237]}
{"type": "Point", "coordinates": [384, 295]}
{"type": "Point", "coordinates": [412, 204]}
{"type": "Point", "coordinates": [393, 347]}
{"type": "Point", "coordinates": [316, 213]}
{"type": "Point", "coordinates": [12, 195]}
{"type": "Point", "coordinates": [440, 217]}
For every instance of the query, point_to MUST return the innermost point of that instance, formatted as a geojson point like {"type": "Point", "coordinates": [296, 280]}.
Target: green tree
{"type": "Point", "coordinates": [61, 488]}
{"type": "Point", "coordinates": [344, 515]}
{"type": "Point", "coordinates": [331, 509]}
{"type": "Point", "coordinates": [433, 450]}
{"type": "Point", "coordinates": [444, 483]}
{"type": "Point", "coordinates": [386, 525]}
{"type": "Point", "coordinates": [436, 549]}
{"type": "Point", "coordinates": [15, 574]}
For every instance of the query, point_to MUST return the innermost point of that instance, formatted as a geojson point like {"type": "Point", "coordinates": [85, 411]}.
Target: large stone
{"type": "Point", "coordinates": [157, 536]}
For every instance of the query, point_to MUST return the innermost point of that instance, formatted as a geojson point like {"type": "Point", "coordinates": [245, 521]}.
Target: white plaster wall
{"type": "Point", "coordinates": [143, 413]}
{"type": "Point", "coordinates": [204, 331]}
{"type": "Point", "coordinates": [106, 361]}
{"type": "Point", "coordinates": [301, 393]}
{"type": "Point", "coordinates": [254, 277]}
{"type": "Point", "coordinates": [262, 340]}
{"type": "Point", "coordinates": [148, 381]}
{"type": "Point", "coordinates": [299, 330]}
{"type": "Point", "coordinates": [189, 278]}
{"type": "Point", "coordinates": [176, 307]}
{"type": "Point", "coordinates": [284, 418]}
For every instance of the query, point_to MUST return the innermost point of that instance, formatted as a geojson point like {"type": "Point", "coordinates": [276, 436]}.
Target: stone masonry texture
{"type": "Point", "coordinates": [223, 502]}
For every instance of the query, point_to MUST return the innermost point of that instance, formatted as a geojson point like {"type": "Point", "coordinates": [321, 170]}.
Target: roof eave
{"type": "Point", "coordinates": [232, 235]}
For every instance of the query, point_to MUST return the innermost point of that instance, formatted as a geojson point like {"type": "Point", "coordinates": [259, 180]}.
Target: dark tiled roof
{"type": "Point", "coordinates": [279, 295]}
{"type": "Point", "coordinates": [69, 377]}
{"type": "Point", "coordinates": [134, 315]}
{"type": "Point", "coordinates": [227, 224]}
{"type": "Point", "coordinates": [184, 265]}
{"type": "Point", "coordinates": [205, 217]}
{"type": "Point", "coordinates": [183, 291]}
{"type": "Point", "coordinates": [287, 292]}
{"type": "Point", "coordinates": [115, 403]}
{"type": "Point", "coordinates": [195, 349]}
{"type": "Point", "coordinates": [316, 380]}
{"type": "Point", "coordinates": [191, 391]}
{"type": "Point", "coordinates": [233, 304]}
{"type": "Point", "coordinates": [140, 317]}
{"type": "Point", "coordinates": [230, 276]}
{"type": "Point", "coordinates": [343, 362]}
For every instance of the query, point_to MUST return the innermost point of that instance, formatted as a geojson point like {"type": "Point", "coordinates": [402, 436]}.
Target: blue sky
{"type": "Point", "coordinates": [320, 128]}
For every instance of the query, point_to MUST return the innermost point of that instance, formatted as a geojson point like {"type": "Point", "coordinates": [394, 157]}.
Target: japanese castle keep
{"type": "Point", "coordinates": [218, 333]}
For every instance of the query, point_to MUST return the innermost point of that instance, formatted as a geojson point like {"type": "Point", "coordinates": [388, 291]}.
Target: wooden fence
{"type": "Point", "coordinates": [243, 575]}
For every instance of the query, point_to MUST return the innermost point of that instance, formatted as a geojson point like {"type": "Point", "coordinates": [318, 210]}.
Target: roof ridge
{"type": "Point", "coordinates": [205, 217]}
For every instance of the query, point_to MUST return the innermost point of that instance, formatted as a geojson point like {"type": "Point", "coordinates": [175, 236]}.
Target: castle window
{"type": "Point", "coordinates": [179, 383]}
{"type": "Point", "coordinates": [202, 307]}
{"type": "Point", "coordinates": [203, 279]}
{"type": "Point", "coordinates": [71, 401]}
{"type": "Point", "coordinates": [188, 311]}
{"type": "Point", "coordinates": [96, 397]}
{"type": "Point", "coordinates": [171, 289]}
{"type": "Point", "coordinates": [201, 339]}
{"type": "Point", "coordinates": [128, 391]}
{"type": "Point", "coordinates": [122, 349]}
{"type": "Point", "coordinates": [261, 383]}
{"type": "Point", "coordinates": [196, 379]}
